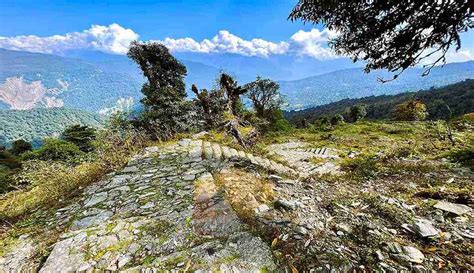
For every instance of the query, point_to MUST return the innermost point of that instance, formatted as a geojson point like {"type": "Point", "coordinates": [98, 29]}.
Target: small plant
{"type": "Point", "coordinates": [463, 156]}
{"type": "Point", "coordinates": [56, 150]}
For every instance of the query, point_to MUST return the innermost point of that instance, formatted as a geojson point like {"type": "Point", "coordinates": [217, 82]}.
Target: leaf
{"type": "Point", "coordinates": [275, 241]}
{"type": "Point", "coordinates": [293, 269]}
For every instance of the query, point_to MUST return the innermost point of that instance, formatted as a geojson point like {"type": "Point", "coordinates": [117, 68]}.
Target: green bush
{"type": "Point", "coordinates": [57, 150]}
{"type": "Point", "coordinates": [281, 125]}
{"type": "Point", "coordinates": [20, 146]}
{"type": "Point", "coordinates": [82, 136]}
{"type": "Point", "coordinates": [9, 161]}
{"type": "Point", "coordinates": [463, 156]}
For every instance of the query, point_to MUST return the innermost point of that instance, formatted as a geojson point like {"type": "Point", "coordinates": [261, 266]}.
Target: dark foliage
{"type": "Point", "coordinates": [165, 109]}
{"type": "Point", "coordinates": [391, 35]}
{"type": "Point", "coordinates": [356, 112]}
{"type": "Point", "coordinates": [212, 104]}
{"type": "Point", "coordinates": [57, 150]}
{"type": "Point", "coordinates": [20, 146]}
{"type": "Point", "coordinates": [265, 97]}
{"type": "Point", "coordinates": [458, 97]}
{"type": "Point", "coordinates": [233, 92]}
{"type": "Point", "coordinates": [337, 119]}
{"type": "Point", "coordinates": [82, 136]}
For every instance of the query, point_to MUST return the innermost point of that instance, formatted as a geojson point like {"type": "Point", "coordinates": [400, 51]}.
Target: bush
{"type": "Point", "coordinates": [464, 157]}
{"type": "Point", "coordinates": [337, 119]}
{"type": "Point", "coordinates": [9, 161]}
{"type": "Point", "coordinates": [281, 125]}
{"type": "Point", "coordinates": [57, 150]}
{"type": "Point", "coordinates": [20, 146]}
{"type": "Point", "coordinates": [410, 111]}
{"type": "Point", "coordinates": [82, 136]}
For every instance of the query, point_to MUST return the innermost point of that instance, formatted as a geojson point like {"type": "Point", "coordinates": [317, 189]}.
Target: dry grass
{"type": "Point", "coordinates": [244, 191]}
{"type": "Point", "coordinates": [54, 182]}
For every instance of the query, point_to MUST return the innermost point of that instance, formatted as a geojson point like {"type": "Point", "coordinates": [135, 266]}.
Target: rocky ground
{"type": "Point", "coordinates": [201, 206]}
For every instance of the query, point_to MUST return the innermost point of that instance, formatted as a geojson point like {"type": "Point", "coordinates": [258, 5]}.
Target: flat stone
{"type": "Point", "coordinates": [285, 204]}
{"type": "Point", "coordinates": [414, 255]}
{"type": "Point", "coordinates": [95, 199]}
{"type": "Point", "coordinates": [130, 169]}
{"type": "Point", "coordinates": [423, 228]}
{"type": "Point", "coordinates": [457, 209]}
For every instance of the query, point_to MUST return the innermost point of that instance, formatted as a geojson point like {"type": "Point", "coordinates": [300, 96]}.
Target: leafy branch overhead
{"type": "Point", "coordinates": [392, 35]}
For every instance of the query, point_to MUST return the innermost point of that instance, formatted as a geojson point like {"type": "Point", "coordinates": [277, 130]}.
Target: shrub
{"type": "Point", "coordinates": [337, 119]}
{"type": "Point", "coordinates": [20, 146]}
{"type": "Point", "coordinates": [356, 113]}
{"type": "Point", "coordinates": [56, 149]}
{"type": "Point", "coordinates": [9, 161]}
{"type": "Point", "coordinates": [463, 156]}
{"type": "Point", "coordinates": [410, 111]}
{"type": "Point", "coordinates": [82, 136]}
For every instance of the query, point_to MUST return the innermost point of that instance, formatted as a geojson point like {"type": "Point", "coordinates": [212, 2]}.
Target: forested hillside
{"type": "Point", "coordinates": [459, 97]}
{"type": "Point", "coordinates": [35, 124]}
{"type": "Point", "coordinates": [354, 83]}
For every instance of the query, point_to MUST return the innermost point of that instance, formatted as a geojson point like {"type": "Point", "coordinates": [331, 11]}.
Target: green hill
{"type": "Point", "coordinates": [459, 97]}
{"type": "Point", "coordinates": [36, 124]}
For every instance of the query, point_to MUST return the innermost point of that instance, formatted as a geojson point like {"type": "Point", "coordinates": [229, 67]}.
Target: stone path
{"type": "Point", "coordinates": [162, 211]}
{"type": "Point", "coordinates": [298, 157]}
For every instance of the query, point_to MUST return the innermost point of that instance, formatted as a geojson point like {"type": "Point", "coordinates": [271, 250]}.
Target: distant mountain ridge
{"type": "Point", "coordinates": [354, 83]}
{"type": "Point", "coordinates": [458, 96]}
{"type": "Point", "coordinates": [94, 81]}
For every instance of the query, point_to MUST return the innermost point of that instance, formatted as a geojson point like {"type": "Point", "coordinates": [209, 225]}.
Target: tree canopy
{"type": "Point", "coordinates": [392, 35]}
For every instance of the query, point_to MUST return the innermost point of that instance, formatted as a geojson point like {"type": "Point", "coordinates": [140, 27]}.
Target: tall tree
{"type": "Point", "coordinates": [165, 108]}
{"type": "Point", "coordinates": [391, 35]}
{"type": "Point", "coordinates": [265, 96]}
{"type": "Point", "coordinates": [233, 92]}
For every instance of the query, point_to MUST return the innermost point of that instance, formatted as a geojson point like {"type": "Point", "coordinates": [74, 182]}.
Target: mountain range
{"type": "Point", "coordinates": [96, 82]}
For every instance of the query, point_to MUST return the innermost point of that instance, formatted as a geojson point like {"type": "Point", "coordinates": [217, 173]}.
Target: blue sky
{"type": "Point", "coordinates": [152, 19]}
{"type": "Point", "coordinates": [251, 28]}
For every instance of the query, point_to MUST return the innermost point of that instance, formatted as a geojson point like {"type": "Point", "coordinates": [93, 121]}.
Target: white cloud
{"type": "Point", "coordinates": [313, 43]}
{"type": "Point", "coordinates": [452, 56]}
{"type": "Point", "coordinates": [112, 39]}
{"type": "Point", "coordinates": [116, 39]}
{"type": "Point", "coordinates": [226, 42]}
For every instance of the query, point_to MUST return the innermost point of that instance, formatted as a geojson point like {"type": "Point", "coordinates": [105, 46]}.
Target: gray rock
{"type": "Point", "coordinates": [95, 199]}
{"type": "Point", "coordinates": [285, 204]}
{"type": "Point", "coordinates": [457, 209]}
{"type": "Point", "coordinates": [423, 228]}
{"type": "Point", "coordinates": [130, 169]}
{"type": "Point", "coordinates": [414, 255]}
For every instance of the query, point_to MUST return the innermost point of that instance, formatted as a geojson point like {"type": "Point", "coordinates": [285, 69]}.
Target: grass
{"type": "Point", "coordinates": [52, 183]}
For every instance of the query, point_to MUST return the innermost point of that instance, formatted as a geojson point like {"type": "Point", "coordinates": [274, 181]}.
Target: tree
{"type": "Point", "coordinates": [20, 146]}
{"type": "Point", "coordinates": [165, 109]}
{"type": "Point", "coordinates": [439, 109]}
{"type": "Point", "coordinates": [233, 92]}
{"type": "Point", "coordinates": [82, 136]}
{"type": "Point", "coordinates": [412, 110]}
{"type": "Point", "coordinates": [391, 35]}
{"type": "Point", "coordinates": [213, 105]}
{"type": "Point", "coordinates": [337, 119]}
{"type": "Point", "coordinates": [356, 113]}
{"type": "Point", "coordinates": [265, 97]}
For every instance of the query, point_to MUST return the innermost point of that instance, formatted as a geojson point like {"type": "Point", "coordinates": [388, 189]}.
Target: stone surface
{"type": "Point", "coordinates": [457, 209]}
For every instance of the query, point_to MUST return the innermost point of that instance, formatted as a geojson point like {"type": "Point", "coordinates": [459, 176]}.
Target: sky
{"type": "Point", "coordinates": [251, 28]}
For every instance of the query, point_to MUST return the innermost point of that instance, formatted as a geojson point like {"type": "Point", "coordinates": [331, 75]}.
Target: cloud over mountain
{"type": "Point", "coordinates": [111, 39]}
{"type": "Point", "coordinates": [116, 39]}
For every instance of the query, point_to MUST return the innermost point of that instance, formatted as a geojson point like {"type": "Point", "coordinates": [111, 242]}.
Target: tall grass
{"type": "Point", "coordinates": [51, 183]}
